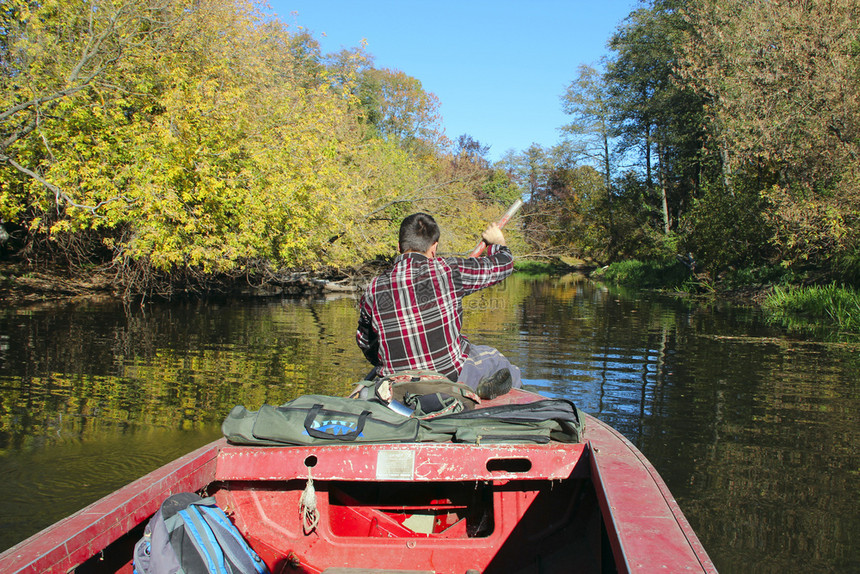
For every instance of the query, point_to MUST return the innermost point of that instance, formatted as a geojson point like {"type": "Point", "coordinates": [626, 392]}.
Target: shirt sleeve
{"type": "Point", "coordinates": [365, 335]}
{"type": "Point", "coordinates": [480, 272]}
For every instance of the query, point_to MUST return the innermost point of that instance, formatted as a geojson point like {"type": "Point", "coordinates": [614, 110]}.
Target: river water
{"type": "Point", "coordinates": [754, 430]}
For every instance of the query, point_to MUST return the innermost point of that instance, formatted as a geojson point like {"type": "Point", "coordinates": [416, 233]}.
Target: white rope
{"type": "Point", "coordinates": [308, 506]}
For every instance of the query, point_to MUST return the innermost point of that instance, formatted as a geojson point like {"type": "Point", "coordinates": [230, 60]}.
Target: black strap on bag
{"type": "Point", "coordinates": [314, 412]}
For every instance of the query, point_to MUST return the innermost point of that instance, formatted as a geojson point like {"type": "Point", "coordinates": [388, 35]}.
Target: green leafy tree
{"type": "Point", "coordinates": [781, 79]}
{"type": "Point", "coordinates": [590, 137]}
{"type": "Point", "coordinates": [655, 115]}
{"type": "Point", "coordinates": [634, 87]}
{"type": "Point", "coordinates": [590, 132]}
{"type": "Point", "coordinates": [397, 107]}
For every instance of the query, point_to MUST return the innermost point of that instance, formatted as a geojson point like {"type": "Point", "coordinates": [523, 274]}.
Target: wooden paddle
{"type": "Point", "coordinates": [512, 210]}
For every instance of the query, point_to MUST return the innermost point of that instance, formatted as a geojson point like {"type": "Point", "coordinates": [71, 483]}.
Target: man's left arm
{"type": "Point", "coordinates": [366, 336]}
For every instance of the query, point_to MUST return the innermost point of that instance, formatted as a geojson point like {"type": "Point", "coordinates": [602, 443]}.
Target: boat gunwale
{"type": "Point", "coordinates": [429, 462]}
{"type": "Point", "coordinates": [612, 488]}
{"type": "Point", "coordinates": [106, 520]}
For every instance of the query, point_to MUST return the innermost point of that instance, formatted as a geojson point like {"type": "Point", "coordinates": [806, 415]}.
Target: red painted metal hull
{"type": "Point", "coordinates": [593, 507]}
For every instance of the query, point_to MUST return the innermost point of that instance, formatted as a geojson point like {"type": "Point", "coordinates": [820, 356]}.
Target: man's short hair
{"type": "Point", "coordinates": [418, 232]}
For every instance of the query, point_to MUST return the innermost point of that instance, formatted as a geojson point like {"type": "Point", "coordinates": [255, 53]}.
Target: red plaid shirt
{"type": "Point", "coordinates": [410, 317]}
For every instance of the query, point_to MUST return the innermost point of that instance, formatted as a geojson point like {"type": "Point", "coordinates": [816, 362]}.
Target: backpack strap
{"type": "Point", "coordinates": [203, 539]}
{"type": "Point", "coordinates": [192, 534]}
{"type": "Point", "coordinates": [228, 537]}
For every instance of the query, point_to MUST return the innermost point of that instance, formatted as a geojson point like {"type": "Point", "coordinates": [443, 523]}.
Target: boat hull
{"type": "Point", "coordinates": [597, 506]}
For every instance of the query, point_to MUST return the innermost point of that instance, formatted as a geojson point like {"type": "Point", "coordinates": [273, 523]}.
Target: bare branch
{"type": "Point", "coordinates": [36, 102]}
{"type": "Point", "coordinates": [59, 194]}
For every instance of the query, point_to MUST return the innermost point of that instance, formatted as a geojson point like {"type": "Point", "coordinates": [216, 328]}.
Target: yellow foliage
{"type": "Point", "coordinates": [206, 142]}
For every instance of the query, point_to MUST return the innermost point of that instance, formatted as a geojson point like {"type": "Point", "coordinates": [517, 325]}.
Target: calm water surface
{"type": "Point", "coordinates": [754, 430]}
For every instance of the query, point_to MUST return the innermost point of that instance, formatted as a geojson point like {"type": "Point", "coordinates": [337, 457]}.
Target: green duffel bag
{"type": "Point", "coordinates": [319, 419]}
{"type": "Point", "coordinates": [537, 422]}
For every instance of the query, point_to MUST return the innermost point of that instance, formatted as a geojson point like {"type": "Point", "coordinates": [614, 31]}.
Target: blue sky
{"type": "Point", "coordinates": [498, 67]}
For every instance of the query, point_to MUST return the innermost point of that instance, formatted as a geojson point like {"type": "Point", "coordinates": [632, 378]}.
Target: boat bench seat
{"type": "Point", "coordinates": [422, 462]}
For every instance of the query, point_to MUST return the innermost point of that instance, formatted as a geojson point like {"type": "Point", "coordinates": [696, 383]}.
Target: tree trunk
{"type": "Point", "coordinates": [663, 190]}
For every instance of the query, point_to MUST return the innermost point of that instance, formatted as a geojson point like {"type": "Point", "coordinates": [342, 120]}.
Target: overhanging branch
{"type": "Point", "coordinates": [59, 194]}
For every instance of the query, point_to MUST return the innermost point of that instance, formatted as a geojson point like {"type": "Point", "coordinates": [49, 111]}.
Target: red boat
{"type": "Point", "coordinates": [597, 506]}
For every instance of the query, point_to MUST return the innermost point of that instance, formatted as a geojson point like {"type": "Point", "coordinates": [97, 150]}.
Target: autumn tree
{"type": "Point", "coordinates": [491, 184]}
{"type": "Point", "coordinates": [472, 150]}
{"type": "Point", "coordinates": [397, 107]}
{"type": "Point", "coordinates": [781, 79]}
{"type": "Point", "coordinates": [558, 194]}
{"type": "Point", "coordinates": [191, 141]}
{"type": "Point", "coordinates": [62, 64]}
{"type": "Point", "coordinates": [177, 150]}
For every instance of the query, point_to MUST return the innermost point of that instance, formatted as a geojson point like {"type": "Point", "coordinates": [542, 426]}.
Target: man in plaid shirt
{"type": "Point", "coordinates": [410, 317]}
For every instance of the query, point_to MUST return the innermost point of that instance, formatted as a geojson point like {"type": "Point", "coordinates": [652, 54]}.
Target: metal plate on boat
{"type": "Point", "coordinates": [395, 465]}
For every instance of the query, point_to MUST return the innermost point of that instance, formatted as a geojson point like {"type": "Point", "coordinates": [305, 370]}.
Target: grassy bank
{"type": "Point", "coordinates": [647, 274]}
{"type": "Point", "coordinates": [829, 308]}
{"type": "Point", "coordinates": [803, 308]}
{"type": "Point", "coordinates": [551, 265]}
{"type": "Point", "coordinates": [535, 267]}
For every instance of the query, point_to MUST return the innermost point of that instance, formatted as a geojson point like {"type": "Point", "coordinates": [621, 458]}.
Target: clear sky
{"type": "Point", "coordinates": [498, 67]}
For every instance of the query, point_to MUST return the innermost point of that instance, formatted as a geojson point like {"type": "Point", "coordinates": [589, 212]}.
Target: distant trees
{"type": "Point", "coordinates": [471, 149]}
{"type": "Point", "coordinates": [189, 140]}
{"type": "Point", "coordinates": [397, 107]}
{"type": "Point", "coordinates": [642, 131]}
{"type": "Point", "coordinates": [590, 131]}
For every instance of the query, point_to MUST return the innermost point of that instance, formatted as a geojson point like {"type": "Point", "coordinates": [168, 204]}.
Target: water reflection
{"type": "Point", "coordinates": [754, 432]}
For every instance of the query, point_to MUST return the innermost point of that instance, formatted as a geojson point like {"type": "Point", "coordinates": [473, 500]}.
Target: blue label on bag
{"type": "Point", "coordinates": [334, 427]}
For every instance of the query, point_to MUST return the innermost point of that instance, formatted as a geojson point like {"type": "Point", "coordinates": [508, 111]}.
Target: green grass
{"type": "Point", "coordinates": [802, 308]}
{"type": "Point", "coordinates": [757, 276]}
{"type": "Point", "coordinates": [645, 274]}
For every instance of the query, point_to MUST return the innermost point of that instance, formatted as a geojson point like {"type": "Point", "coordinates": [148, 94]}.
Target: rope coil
{"type": "Point", "coordinates": [308, 506]}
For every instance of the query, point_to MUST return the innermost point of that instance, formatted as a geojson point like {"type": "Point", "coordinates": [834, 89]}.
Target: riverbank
{"type": "Point", "coordinates": [830, 308]}
{"type": "Point", "coordinates": [825, 309]}
{"type": "Point", "coordinates": [22, 284]}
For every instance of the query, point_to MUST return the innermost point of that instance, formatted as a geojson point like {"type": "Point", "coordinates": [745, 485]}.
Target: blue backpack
{"type": "Point", "coordinates": [191, 535]}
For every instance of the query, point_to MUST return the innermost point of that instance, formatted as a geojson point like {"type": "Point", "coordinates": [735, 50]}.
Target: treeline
{"type": "Point", "coordinates": [177, 141]}
{"type": "Point", "coordinates": [723, 132]}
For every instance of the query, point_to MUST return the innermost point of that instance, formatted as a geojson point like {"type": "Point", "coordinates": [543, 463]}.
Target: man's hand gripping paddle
{"type": "Point", "coordinates": [512, 210]}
